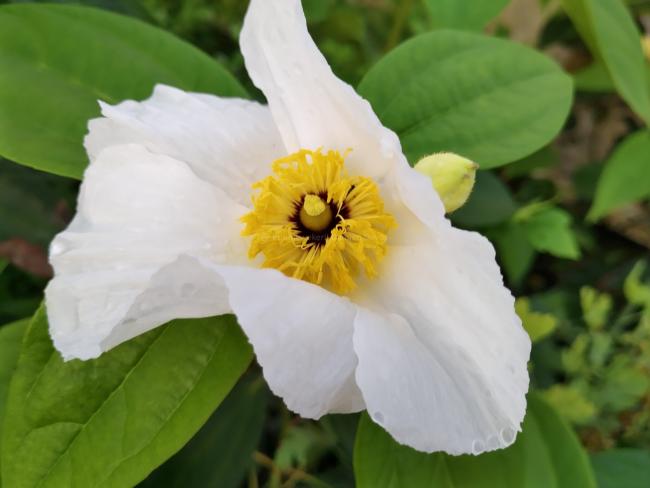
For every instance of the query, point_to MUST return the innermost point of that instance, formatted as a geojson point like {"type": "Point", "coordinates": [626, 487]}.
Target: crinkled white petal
{"type": "Point", "coordinates": [311, 106]}
{"type": "Point", "coordinates": [117, 272]}
{"type": "Point", "coordinates": [442, 354]}
{"type": "Point", "coordinates": [302, 336]}
{"type": "Point", "coordinates": [227, 141]}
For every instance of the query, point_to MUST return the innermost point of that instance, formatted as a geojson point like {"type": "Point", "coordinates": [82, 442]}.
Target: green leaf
{"type": "Point", "coordinates": [489, 204]}
{"type": "Point", "coordinates": [610, 32]}
{"type": "Point", "coordinates": [56, 61]}
{"type": "Point", "coordinates": [593, 78]}
{"type": "Point", "coordinates": [622, 468]}
{"type": "Point", "coordinates": [596, 307]}
{"type": "Point", "coordinates": [111, 421]}
{"type": "Point", "coordinates": [466, 14]}
{"type": "Point", "coordinates": [625, 384]}
{"type": "Point", "coordinates": [538, 325]}
{"type": "Point", "coordinates": [132, 8]}
{"type": "Point", "coordinates": [546, 454]}
{"type": "Point", "coordinates": [490, 100]}
{"type": "Point", "coordinates": [574, 357]}
{"type": "Point", "coordinates": [626, 177]}
{"type": "Point", "coordinates": [221, 453]}
{"type": "Point", "coordinates": [570, 403]}
{"type": "Point", "coordinates": [515, 252]}
{"type": "Point", "coordinates": [549, 230]}
{"type": "Point", "coordinates": [11, 336]}
{"type": "Point", "coordinates": [636, 290]}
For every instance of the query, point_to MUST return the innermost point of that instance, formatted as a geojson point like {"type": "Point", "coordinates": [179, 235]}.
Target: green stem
{"type": "Point", "coordinates": [399, 21]}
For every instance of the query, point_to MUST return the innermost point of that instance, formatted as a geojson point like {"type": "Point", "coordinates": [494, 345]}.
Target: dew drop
{"type": "Point", "coordinates": [378, 417]}
{"type": "Point", "coordinates": [493, 443]}
{"type": "Point", "coordinates": [508, 435]}
{"type": "Point", "coordinates": [57, 248]}
{"type": "Point", "coordinates": [478, 447]}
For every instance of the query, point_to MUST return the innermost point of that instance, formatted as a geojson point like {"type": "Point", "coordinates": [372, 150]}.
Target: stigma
{"type": "Point", "coordinates": [315, 214]}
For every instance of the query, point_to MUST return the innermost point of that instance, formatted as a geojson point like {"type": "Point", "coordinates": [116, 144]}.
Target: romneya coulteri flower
{"type": "Point", "coordinates": [305, 220]}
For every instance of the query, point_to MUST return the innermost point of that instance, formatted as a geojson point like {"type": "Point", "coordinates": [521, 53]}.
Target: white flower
{"type": "Point", "coordinates": [396, 311]}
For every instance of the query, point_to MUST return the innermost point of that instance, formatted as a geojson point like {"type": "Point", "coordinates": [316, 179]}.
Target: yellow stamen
{"type": "Point", "coordinates": [314, 222]}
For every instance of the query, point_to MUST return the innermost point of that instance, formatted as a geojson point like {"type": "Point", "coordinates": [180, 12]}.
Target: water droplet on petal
{"type": "Point", "coordinates": [493, 443]}
{"type": "Point", "coordinates": [378, 417]}
{"type": "Point", "coordinates": [508, 435]}
{"type": "Point", "coordinates": [478, 447]}
{"type": "Point", "coordinates": [57, 248]}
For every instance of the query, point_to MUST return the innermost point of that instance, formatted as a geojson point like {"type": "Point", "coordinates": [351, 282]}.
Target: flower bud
{"type": "Point", "coordinates": [452, 176]}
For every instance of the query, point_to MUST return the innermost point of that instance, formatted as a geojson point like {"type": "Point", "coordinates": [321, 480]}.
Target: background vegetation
{"type": "Point", "coordinates": [563, 194]}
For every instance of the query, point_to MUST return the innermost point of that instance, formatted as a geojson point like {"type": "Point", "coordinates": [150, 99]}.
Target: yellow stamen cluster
{"type": "Point", "coordinates": [313, 222]}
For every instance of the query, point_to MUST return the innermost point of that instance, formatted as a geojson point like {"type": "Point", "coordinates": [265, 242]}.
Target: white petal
{"type": "Point", "coordinates": [117, 272]}
{"type": "Point", "coordinates": [227, 141]}
{"type": "Point", "coordinates": [302, 336]}
{"type": "Point", "coordinates": [442, 355]}
{"type": "Point", "coordinates": [311, 106]}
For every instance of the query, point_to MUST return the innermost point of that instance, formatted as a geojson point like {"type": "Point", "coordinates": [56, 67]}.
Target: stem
{"type": "Point", "coordinates": [403, 12]}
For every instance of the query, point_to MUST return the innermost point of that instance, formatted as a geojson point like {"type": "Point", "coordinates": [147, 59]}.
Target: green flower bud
{"type": "Point", "coordinates": [452, 176]}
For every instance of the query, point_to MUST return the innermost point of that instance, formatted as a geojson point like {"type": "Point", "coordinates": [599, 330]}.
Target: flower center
{"type": "Point", "coordinates": [315, 214]}
{"type": "Point", "coordinates": [314, 222]}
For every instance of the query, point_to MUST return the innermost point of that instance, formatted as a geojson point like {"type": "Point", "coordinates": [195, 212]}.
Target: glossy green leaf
{"type": "Point", "coordinates": [11, 336]}
{"type": "Point", "coordinates": [133, 8]}
{"type": "Point", "coordinates": [490, 100]}
{"type": "Point", "coordinates": [221, 453]}
{"type": "Point", "coordinates": [489, 204]}
{"type": "Point", "coordinates": [626, 177]}
{"type": "Point", "coordinates": [549, 230]}
{"type": "Point", "coordinates": [465, 14]}
{"type": "Point", "coordinates": [56, 61]}
{"type": "Point", "coordinates": [547, 454]}
{"type": "Point", "coordinates": [609, 29]}
{"type": "Point", "coordinates": [622, 468]}
{"type": "Point", "coordinates": [109, 422]}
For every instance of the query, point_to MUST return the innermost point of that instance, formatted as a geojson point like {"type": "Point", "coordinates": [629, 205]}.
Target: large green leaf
{"type": "Point", "coordinates": [608, 28]}
{"type": "Point", "coordinates": [109, 422]}
{"type": "Point", "coordinates": [56, 61]}
{"type": "Point", "coordinates": [546, 455]}
{"type": "Point", "coordinates": [464, 14]}
{"type": "Point", "coordinates": [622, 468]}
{"type": "Point", "coordinates": [222, 452]}
{"type": "Point", "coordinates": [11, 336]}
{"type": "Point", "coordinates": [490, 100]}
{"type": "Point", "coordinates": [626, 177]}
{"type": "Point", "coordinates": [133, 8]}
